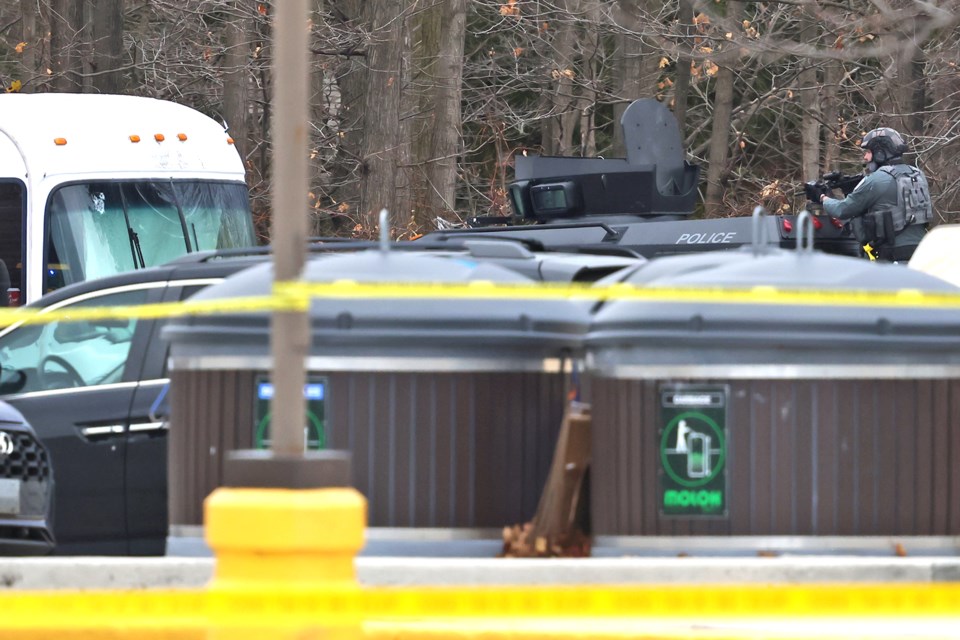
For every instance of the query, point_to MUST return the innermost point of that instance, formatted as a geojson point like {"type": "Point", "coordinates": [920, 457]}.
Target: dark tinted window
{"type": "Point", "coordinates": [11, 240]}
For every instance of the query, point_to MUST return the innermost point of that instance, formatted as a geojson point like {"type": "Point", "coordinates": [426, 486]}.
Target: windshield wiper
{"type": "Point", "coordinates": [183, 218]}
{"type": "Point", "coordinates": [135, 250]}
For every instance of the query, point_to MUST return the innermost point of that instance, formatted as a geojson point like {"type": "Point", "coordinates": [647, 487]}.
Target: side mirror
{"type": "Point", "coordinates": [11, 380]}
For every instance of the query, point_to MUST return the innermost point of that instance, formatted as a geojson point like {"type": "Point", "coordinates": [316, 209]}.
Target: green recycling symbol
{"type": "Point", "coordinates": [316, 434]}
{"type": "Point", "coordinates": [692, 449]}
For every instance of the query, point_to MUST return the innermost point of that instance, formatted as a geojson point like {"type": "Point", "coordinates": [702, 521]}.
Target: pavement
{"type": "Point", "coordinates": [444, 557]}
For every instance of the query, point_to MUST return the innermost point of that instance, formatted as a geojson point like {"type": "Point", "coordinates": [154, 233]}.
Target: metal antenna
{"type": "Point", "coordinates": [805, 231]}
{"type": "Point", "coordinates": [759, 244]}
{"type": "Point", "coordinates": [384, 230]}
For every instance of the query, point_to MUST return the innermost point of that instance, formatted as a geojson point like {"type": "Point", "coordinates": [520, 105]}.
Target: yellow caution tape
{"type": "Point", "coordinates": [296, 296]}
{"type": "Point", "coordinates": [927, 600]}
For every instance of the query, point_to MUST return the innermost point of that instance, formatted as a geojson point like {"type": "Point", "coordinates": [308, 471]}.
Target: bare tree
{"type": "Point", "coordinates": [437, 76]}
{"type": "Point", "coordinates": [637, 62]}
{"type": "Point", "coordinates": [382, 146]}
{"type": "Point", "coordinates": [107, 26]}
{"type": "Point", "coordinates": [66, 41]}
{"type": "Point", "coordinates": [236, 72]}
{"type": "Point", "coordinates": [545, 77]}
{"type": "Point", "coordinates": [811, 118]}
{"type": "Point", "coordinates": [722, 112]}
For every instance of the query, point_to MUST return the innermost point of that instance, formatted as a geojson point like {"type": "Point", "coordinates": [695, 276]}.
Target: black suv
{"type": "Point", "coordinates": [93, 389]}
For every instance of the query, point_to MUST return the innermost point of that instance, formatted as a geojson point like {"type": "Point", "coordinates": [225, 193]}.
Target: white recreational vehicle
{"type": "Point", "coordinates": [92, 185]}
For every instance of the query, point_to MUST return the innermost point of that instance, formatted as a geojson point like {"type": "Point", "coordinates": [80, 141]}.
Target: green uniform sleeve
{"type": "Point", "coordinates": [859, 201]}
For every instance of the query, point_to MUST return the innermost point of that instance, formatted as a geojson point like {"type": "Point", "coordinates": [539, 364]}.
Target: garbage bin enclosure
{"type": "Point", "coordinates": [802, 457]}
{"type": "Point", "coordinates": [450, 408]}
{"type": "Point", "coordinates": [837, 416]}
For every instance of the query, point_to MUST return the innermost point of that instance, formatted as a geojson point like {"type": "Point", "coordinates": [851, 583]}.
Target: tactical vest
{"type": "Point", "coordinates": [913, 196]}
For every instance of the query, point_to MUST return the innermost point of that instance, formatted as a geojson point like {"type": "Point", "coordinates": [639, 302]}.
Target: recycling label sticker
{"type": "Point", "coordinates": [314, 429]}
{"type": "Point", "coordinates": [693, 451]}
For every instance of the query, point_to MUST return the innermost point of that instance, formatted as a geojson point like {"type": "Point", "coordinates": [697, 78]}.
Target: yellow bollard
{"type": "Point", "coordinates": [285, 562]}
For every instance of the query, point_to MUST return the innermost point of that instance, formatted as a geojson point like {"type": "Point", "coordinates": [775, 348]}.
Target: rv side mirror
{"type": "Point", "coordinates": [520, 199]}
{"type": "Point", "coordinates": [556, 199]}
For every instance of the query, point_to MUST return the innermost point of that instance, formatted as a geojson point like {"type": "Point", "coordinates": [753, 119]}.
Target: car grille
{"type": "Point", "coordinates": [27, 461]}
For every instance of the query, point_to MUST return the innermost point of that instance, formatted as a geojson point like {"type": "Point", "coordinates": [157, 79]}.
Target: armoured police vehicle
{"type": "Point", "coordinates": [643, 203]}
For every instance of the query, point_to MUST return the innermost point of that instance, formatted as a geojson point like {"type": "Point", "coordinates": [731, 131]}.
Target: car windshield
{"type": "Point", "coordinates": [96, 229]}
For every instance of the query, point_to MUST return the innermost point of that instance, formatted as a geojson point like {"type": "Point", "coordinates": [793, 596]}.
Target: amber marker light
{"type": "Point", "coordinates": [59, 141]}
{"type": "Point", "coordinates": [134, 138]}
{"type": "Point", "coordinates": [229, 140]}
{"type": "Point", "coordinates": [158, 137]}
{"type": "Point", "coordinates": [182, 137]}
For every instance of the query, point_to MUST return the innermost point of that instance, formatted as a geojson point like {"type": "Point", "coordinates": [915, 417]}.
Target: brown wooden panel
{"type": "Point", "coordinates": [739, 457]}
{"type": "Point", "coordinates": [907, 432]}
{"type": "Point", "coordinates": [953, 485]}
{"type": "Point", "coordinates": [530, 429]}
{"type": "Point", "coordinates": [649, 447]}
{"type": "Point", "coordinates": [635, 434]}
{"type": "Point", "coordinates": [603, 501]}
{"type": "Point", "coordinates": [178, 455]}
{"type": "Point", "coordinates": [202, 432]}
{"type": "Point", "coordinates": [488, 422]}
{"type": "Point", "coordinates": [425, 461]}
{"type": "Point", "coordinates": [805, 465]}
{"type": "Point", "coordinates": [469, 437]}
{"type": "Point", "coordinates": [887, 441]}
{"type": "Point", "coordinates": [508, 454]}
{"type": "Point", "coordinates": [924, 462]}
{"type": "Point", "coordinates": [442, 476]}
{"type": "Point", "coordinates": [847, 410]}
{"type": "Point", "coordinates": [940, 489]}
{"type": "Point", "coordinates": [762, 463]}
{"type": "Point", "coordinates": [867, 452]}
{"type": "Point", "coordinates": [860, 457]}
{"type": "Point", "coordinates": [383, 418]}
{"type": "Point", "coordinates": [784, 447]}
{"type": "Point", "coordinates": [403, 452]}
{"type": "Point", "coordinates": [824, 454]}
{"type": "Point", "coordinates": [355, 409]}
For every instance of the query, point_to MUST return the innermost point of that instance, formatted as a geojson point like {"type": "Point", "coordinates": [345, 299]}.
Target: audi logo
{"type": "Point", "coordinates": [6, 443]}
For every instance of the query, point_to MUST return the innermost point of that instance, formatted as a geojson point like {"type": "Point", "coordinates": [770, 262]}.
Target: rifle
{"type": "Point", "coordinates": [868, 230]}
{"type": "Point", "coordinates": [829, 182]}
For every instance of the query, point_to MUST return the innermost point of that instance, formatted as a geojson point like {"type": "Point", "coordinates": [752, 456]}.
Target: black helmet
{"type": "Point", "coordinates": [885, 143]}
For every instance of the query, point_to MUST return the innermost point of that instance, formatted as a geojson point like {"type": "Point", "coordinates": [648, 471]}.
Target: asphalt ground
{"type": "Point", "coordinates": [448, 557]}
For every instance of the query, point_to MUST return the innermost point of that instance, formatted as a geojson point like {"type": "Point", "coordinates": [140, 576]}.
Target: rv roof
{"type": "Point", "coordinates": [92, 133]}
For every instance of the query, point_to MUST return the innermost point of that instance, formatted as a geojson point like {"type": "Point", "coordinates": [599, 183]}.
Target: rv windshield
{"type": "Point", "coordinates": [95, 229]}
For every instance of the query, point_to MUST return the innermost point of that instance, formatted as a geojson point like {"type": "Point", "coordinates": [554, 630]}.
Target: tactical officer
{"type": "Point", "coordinates": [890, 208]}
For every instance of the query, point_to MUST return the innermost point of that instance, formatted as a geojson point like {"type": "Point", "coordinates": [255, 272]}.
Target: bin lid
{"type": "Point", "coordinates": [389, 332]}
{"type": "Point", "coordinates": [778, 314]}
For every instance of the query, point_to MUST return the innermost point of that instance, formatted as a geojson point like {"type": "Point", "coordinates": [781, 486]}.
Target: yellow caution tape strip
{"type": "Point", "coordinates": [63, 609]}
{"type": "Point", "coordinates": [296, 297]}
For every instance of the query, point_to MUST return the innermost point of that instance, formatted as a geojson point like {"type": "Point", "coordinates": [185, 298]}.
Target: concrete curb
{"type": "Point", "coordinates": [141, 573]}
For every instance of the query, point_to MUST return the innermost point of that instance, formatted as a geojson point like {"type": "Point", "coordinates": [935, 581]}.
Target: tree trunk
{"type": "Point", "coordinates": [636, 64]}
{"type": "Point", "coordinates": [681, 87]}
{"type": "Point", "coordinates": [351, 75]}
{"type": "Point", "coordinates": [28, 35]}
{"type": "Point", "coordinates": [832, 74]}
{"type": "Point", "coordinates": [437, 73]}
{"type": "Point", "coordinates": [911, 86]}
{"type": "Point", "coordinates": [381, 148]}
{"type": "Point", "coordinates": [718, 153]}
{"type": "Point", "coordinates": [66, 26]}
{"type": "Point", "coordinates": [810, 108]}
{"type": "Point", "coordinates": [591, 51]}
{"type": "Point", "coordinates": [236, 100]}
{"type": "Point", "coordinates": [107, 26]}
{"type": "Point", "coordinates": [561, 116]}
